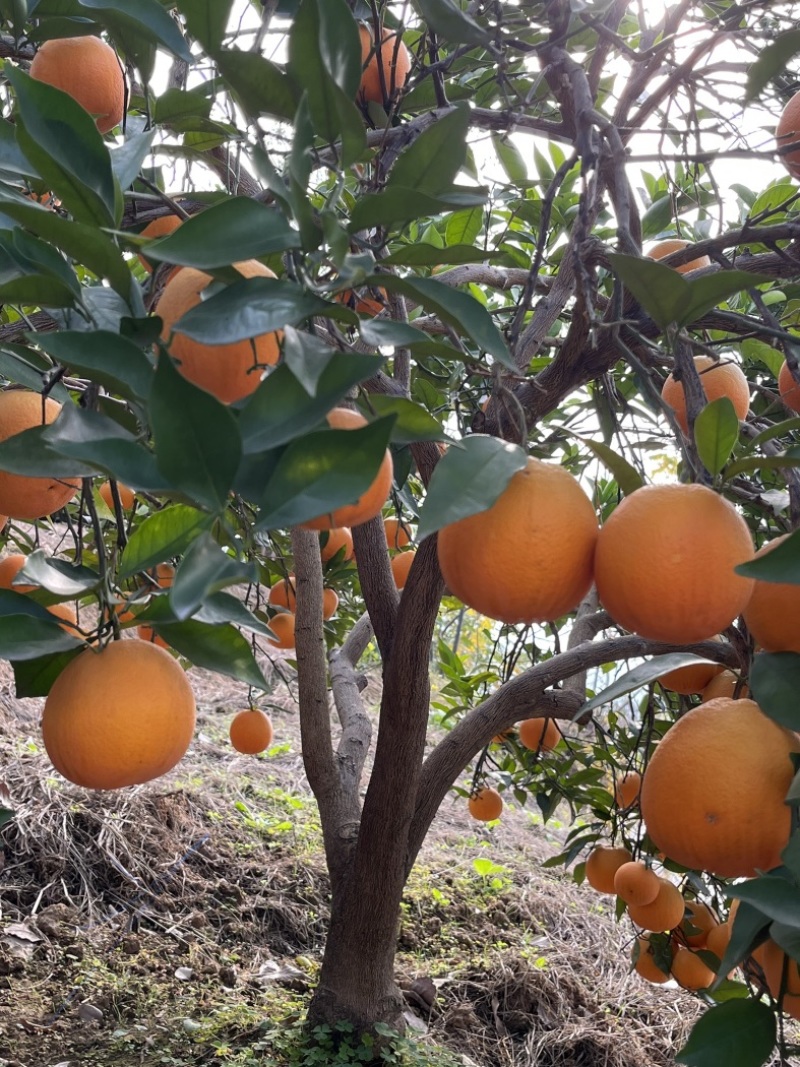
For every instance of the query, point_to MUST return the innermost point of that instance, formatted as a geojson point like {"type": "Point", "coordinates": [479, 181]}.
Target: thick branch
{"type": "Point", "coordinates": [377, 581]}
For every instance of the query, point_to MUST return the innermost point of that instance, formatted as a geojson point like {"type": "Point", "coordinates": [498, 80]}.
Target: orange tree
{"type": "Point", "coordinates": [434, 213]}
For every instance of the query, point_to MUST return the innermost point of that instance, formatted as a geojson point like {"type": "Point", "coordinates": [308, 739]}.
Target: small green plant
{"type": "Point", "coordinates": [339, 1046]}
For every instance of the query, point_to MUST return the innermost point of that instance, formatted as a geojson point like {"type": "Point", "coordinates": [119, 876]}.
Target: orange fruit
{"type": "Point", "coordinates": [10, 566]}
{"type": "Point", "coordinates": [486, 804]}
{"type": "Point", "coordinates": [663, 913]}
{"type": "Point", "coordinates": [636, 883]}
{"type": "Point", "coordinates": [394, 60]}
{"type": "Point", "coordinates": [675, 244]}
{"type": "Point", "coordinates": [723, 685]}
{"type": "Point", "coordinates": [150, 637]}
{"type": "Point", "coordinates": [370, 503]}
{"type": "Point", "coordinates": [364, 305]}
{"type": "Point", "coordinates": [538, 733]}
{"type": "Point", "coordinates": [781, 971]}
{"type": "Point", "coordinates": [68, 614]}
{"type": "Point", "coordinates": [330, 602]}
{"type": "Point", "coordinates": [719, 379]}
{"type": "Point", "coordinates": [646, 965]}
{"type": "Point", "coordinates": [229, 372]}
{"type": "Point", "coordinates": [398, 534]}
{"type": "Point", "coordinates": [602, 865]}
{"type": "Point", "coordinates": [724, 815]}
{"type": "Point", "coordinates": [164, 574]}
{"type": "Point", "coordinates": [401, 565]}
{"type": "Point", "coordinates": [787, 133]}
{"type": "Point", "coordinates": [718, 938]}
{"type": "Point", "coordinates": [119, 716]}
{"type": "Point", "coordinates": [284, 594]}
{"type": "Point", "coordinates": [689, 971]}
{"type": "Point", "coordinates": [333, 541]}
{"type": "Point", "coordinates": [126, 496]}
{"type": "Point", "coordinates": [664, 563]}
{"type": "Point", "coordinates": [626, 789]}
{"type": "Point", "coordinates": [691, 679]}
{"type": "Point", "coordinates": [697, 924]}
{"type": "Point", "coordinates": [160, 227]}
{"type": "Point", "coordinates": [787, 386]}
{"type": "Point", "coordinates": [23, 497]}
{"type": "Point", "coordinates": [251, 731]}
{"type": "Point", "coordinates": [489, 562]}
{"type": "Point", "coordinates": [88, 70]}
{"type": "Point", "coordinates": [773, 612]}
{"type": "Point", "coordinates": [283, 628]}
{"type": "Point", "coordinates": [3, 521]}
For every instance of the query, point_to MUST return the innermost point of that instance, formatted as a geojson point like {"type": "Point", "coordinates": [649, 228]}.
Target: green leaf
{"type": "Point", "coordinates": [626, 476]}
{"type": "Point", "coordinates": [706, 293]}
{"type": "Point", "coordinates": [753, 349]}
{"type": "Point", "coordinates": [249, 308]}
{"type": "Point", "coordinates": [772, 60]}
{"type": "Point", "coordinates": [788, 937]}
{"type": "Point", "coordinates": [749, 927]}
{"type": "Point", "coordinates": [431, 162]}
{"type": "Point", "coordinates": [224, 607]}
{"type": "Point", "coordinates": [450, 23]}
{"type": "Point", "coordinates": [468, 479]}
{"type": "Point", "coordinates": [383, 332]}
{"type": "Point", "coordinates": [261, 87]}
{"type": "Point", "coordinates": [58, 576]}
{"type": "Point", "coordinates": [321, 472]}
{"type": "Point", "coordinates": [127, 159]}
{"type": "Point", "coordinates": [399, 205]}
{"type": "Point", "coordinates": [197, 441]}
{"type": "Point", "coordinates": [205, 568]}
{"type": "Point", "coordinates": [236, 229]}
{"type": "Point", "coordinates": [206, 21]}
{"type": "Point", "coordinates": [510, 159]}
{"type": "Point", "coordinates": [31, 453]}
{"type": "Point", "coordinates": [453, 254]}
{"type": "Point", "coordinates": [26, 636]}
{"type": "Point", "coordinates": [739, 1033]}
{"type": "Point", "coordinates": [145, 18]}
{"type": "Point", "coordinates": [772, 895]}
{"type": "Point", "coordinates": [460, 310]}
{"type": "Point", "coordinates": [716, 431]}
{"type": "Point", "coordinates": [102, 356]}
{"type": "Point", "coordinates": [774, 677]}
{"type": "Point", "coordinates": [641, 676]}
{"type": "Point", "coordinates": [413, 423]}
{"type": "Point", "coordinates": [161, 536]}
{"type": "Point", "coordinates": [340, 45]}
{"type": "Point", "coordinates": [281, 408]}
{"type": "Point", "coordinates": [61, 140]}
{"type": "Point", "coordinates": [779, 564]}
{"type": "Point", "coordinates": [34, 677]}
{"type": "Point", "coordinates": [308, 357]}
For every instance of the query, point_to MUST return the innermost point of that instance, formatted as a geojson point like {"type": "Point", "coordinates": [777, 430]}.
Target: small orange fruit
{"type": "Point", "coordinates": [787, 386]}
{"type": "Point", "coordinates": [663, 913]}
{"type": "Point", "coordinates": [486, 805]}
{"type": "Point", "coordinates": [538, 733]}
{"type": "Point", "coordinates": [690, 679]}
{"type": "Point", "coordinates": [127, 497]}
{"type": "Point", "coordinates": [689, 971]}
{"type": "Point", "coordinates": [718, 939]}
{"type": "Point", "coordinates": [398, 535]}
{"type": "Point", "coordinates": [787, 133]}
{"type": "Point", "coordinates": [602, 865]}
{"type": "Point", "coordinates": [333, 541]}
{"type": "Point", "coordinates": [675, 244]}
{"type": "Point", "coordinates": [159, 227]}
{"type": "Point", "coordinates": [773, 613]}
{"type": "Point", "coordinates": [283, 627]}
{"type": "Point", "coordinates": [719, 378]}
{"type": "Point", "coordinates": [636, 883]}
{"type": "Point", "coordinates": [10, 566]}
{"type": "Point", "coordinates": [150, 637]}
{"type": "Point", "coordinates": [21, 496]}
{"type": "Point", "coordinates": [330, 602]}
{"type": "Point", "coordinates": [251, 731]}
{"type": "Point", "coordinates": [88, 70]}
{"type": "Point", "coordinates": [401, 565]}
{"type": "Point", "coordinates": [364, 305]}
{"type": "Point", "coordinates": [284, 594]}
{"type": "Point", "coordinates": [385, 67]}
{"type": "Point", "coordinates": [626, 789]}
{"type": "Point", "coordinates": [68, 614]}
{"type": "Point", "coordinates": [723, 685]}
{"type": "Point", "coordinates": [697, 924]}
{"type": "Point", "coordinates": [646, 965]}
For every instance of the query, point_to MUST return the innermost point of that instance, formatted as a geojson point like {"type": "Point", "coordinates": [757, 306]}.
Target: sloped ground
{"type": "Point", "coordinates": [177, 923]}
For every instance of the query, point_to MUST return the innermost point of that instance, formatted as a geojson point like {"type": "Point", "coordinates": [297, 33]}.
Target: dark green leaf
{"type": "Point", "coordinates": [773, 896]}
{"type": "Point", "coordinates": [510, 159]}
{"type": "Point", "coordinates": [103, 357]}
{"type": "Point", "coordinates": [791, 854]}
{"type": "Point", "coordinates": [469, 478]}
{"type": "Point", "coordinates": [224, 607]}
{"type": "Point", "coordinates": [641, 676]}
{"type": "Point", "coordinates": [261, 86]}
{"type": "Point", "coordinates": [161, 536]}
{"type": "Point", "coordinates": [26, 636]}
{"type": "Point", "coordinates": [772, 60]}
{"type": "Point", "coordinates": [749, 929]}
{"type": "Point", "coordinates": [739, 1033]}
{"type": "Point", "coordinates": [57, 576]}
{"type": "Point", "coordinates": [431, 162]}
{"type": "Point", "coordinates": [774, 677]}
{"type": "Point", "coordinates": [788, 937]}
{"type": "Point", "coordinates": [127, 158]}
{"type": "Point", "coordinates": [422, 255]}
{"type": "Point", "coordinates": [626, 476]}
{"type": "Point", "coordinates": [706, 293]}
{"type": "Point", "coordinates": [716, 431]}
{"type": "Point", "coordinates": [31, 453]}
{"type": "Point", "coordinates": [205, 568]}
{"type": "Point", "coordinates": [34, 677]}
{"type": "Point", "coordinates": [380, 332]}
{"type": "Point", "coordinates": [447, 20]}
{"type": "Point", "coordinates": [145, 17]}
{"type": "Point", "coordinates": [780, 564]}
{"type": "Point", "coordinates": [398, 205]}
{"type": "Point", "coordinates": [306, 356]}
{"type": "Point", "coordinates": [413, 422]}
{"type": "Point", "coordinates": [206, 21]}
{"type": "Point", "coordinates": [340, 45]}
{"type": "Point", "coordinates": [321, 472]}
{"type": "Point", "coordinates": [197, 442]}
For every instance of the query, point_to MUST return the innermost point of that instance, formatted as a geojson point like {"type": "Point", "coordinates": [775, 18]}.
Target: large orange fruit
{"type": "Point", "coordinates": [664, 563]}
{"type": "Point", "coordinates": [724, 684]}
{"type": "Point", "coordinates": [713, 793]}
{"type": "Point", "coordinates": [675, 244]}
{"type": "Point", "coordinates": [127, 497]}
{"type": "Point", "coordinates": [23, 497]}
{"type": "Point", "coordinates": [88, 69]}
{"type": "Point", "coordinates": [773, 613]}
{"type": "Point", "coordinates": [283, 627]}
{"type": "Point", "coordinates": [787, 133]}
{"type": "Point", "coordinates": [398, 533]}
{"type": "Point", "coordinates": [787, 386]}
{"type": "Point", "coordinates": [781, 971]}
{"type": "Point", "coordinates": [663, 913]}
{"type": "Point", "coordinates": [401, 565]}
{"type": "Point", "coordinates": [119, 716]}
{"type": "Point", "coordinates": [251, 731]}
{"type": "Point", "coordinates": [689, 971]}
{"type": "Point", "coordinates": [636, 883]}
{"type": "Point", "coordinates": [159, 227]}
{"type": "Point", "coordinates": [230, 371]}
{"type": "Point", "coordinates": [646, 965]}
{"type": "Point", "coordinates": [395, 62]}
{"type": "Point", "coordinates": [718, 379]}
{"type": "Point", "coordinates": [691, 679]}
{"type": "Point", "coordinates": [370, 503]}
{"type": "Point", "coordinates": [527, 558]}
{"type": "Point", "coordinates": [538, 733]}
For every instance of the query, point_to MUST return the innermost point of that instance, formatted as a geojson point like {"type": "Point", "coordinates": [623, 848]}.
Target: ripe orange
{"type": "Point", "coordinates": [283, 594]}
{"type": "Point", "coordinates": [251, 731]}
{"type": "Point", "coordinates": [164, 575]}
{"type": "Point", "coordinates": [602, 865]}
{"type": "Point", "coordinates": [126, 496]}
{"type": "Point", "coordinates": [10, 566]}
{"type": "Point", "coordinates": [68, 614]}
{"type": "Point", "coordinates": [229, 372]}
{"type": "Point", "coordinates": [626, 789]}
{"type": "Point", "coordinates": [781, 971]}
{"type": "Point", "coordinates": [119, 716]}
{"type": "Point", "coordinates": [395, 62]}
{"type": "Point", "coordinates": [646, 964]}
{"type": "Point", "coordinates": [691, 679]}
{"type": "Point", "coordinates": [486, 804]}
{"type": "Point", "coordinates": [689, 971]}
{"type": "Point", "coordinates": [674, 244]}
{"type": "Point", "coordinates": [330, 602]}
{"type": "Point", "coordinates": [664, 563]}
{"type": "Point", "coordinates": [23, 497]}
{"type": "Point", "coordinates": [370, 503]}
{"type": "Point", "coordinates": [3, 521]}
{"type": "Point", "coordinates": [159, 227]}
{"type": "Point", "coordinates": [88, 70]}
{"type": "Point", "coordinates": [538, 733]}
{"type": "Point", "coordinates": [787, 133]}
{"type": "Point", "coordinates": [718, 379]}
{"type": "Point", "coordinates": [698, 923]}
{"type": "Point", "coordinates": [150, 637]}
{"type": "Point", "coordinates": [333, 541]}
{"type": "Point", "coordinates": [787, 386]}
{"type": "Point", "coordinates": [718, 938]}
{"type": "Point", "coordinates": [283, 627]}
{"type": "Point", "coordinates": [488, 560]}
{"type": "Point", "coordinates": [773, 613]}
{"type": "Point", "coordinates": [636, 883]}
{"type": "Point", "coordinates": [723, 685]}
{"type": "Point", "coordinates": [364, 305]}
{"type": "Point", "coordinates": [724, 814]}
{"type": "Point", "coordinates": [401, 565]}
{"type": "Point", "coordinates": [664, 913]}
{"type": "Point", "coordinates": [398, 534]}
